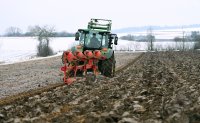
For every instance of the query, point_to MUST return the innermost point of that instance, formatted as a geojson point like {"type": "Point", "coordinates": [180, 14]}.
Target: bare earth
{"type": "Point", "coordinates": [25, 76]}
{"type": "Point", "coordinates": [158, 87]}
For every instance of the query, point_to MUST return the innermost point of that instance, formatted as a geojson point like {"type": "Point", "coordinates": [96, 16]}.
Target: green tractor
{"type": "Point", "coordinates": [96, 38]}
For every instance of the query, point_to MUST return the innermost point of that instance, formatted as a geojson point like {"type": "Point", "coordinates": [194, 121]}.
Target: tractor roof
{"type": "Point", "coordinates": [100, 25]}
{"type": "Point", "coordinates": [89, 30]}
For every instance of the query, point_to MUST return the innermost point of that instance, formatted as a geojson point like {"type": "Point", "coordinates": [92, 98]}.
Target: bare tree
{"type": "Point", "coordinates": [177, 40]}
{"type": "Point", "coordinates": [183, 38]}
{"type": "Point", "coordinates": [150, 39]}
{"type": "Point", "coordinates": [196, 38]}
{"type": "Point", "coordinates": [13, 31]}
{"type": "Point", "coordinates": [43, 35]}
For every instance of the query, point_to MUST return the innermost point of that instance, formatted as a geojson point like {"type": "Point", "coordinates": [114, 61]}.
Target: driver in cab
{"type": "Point", "coordinates": [94, 42]}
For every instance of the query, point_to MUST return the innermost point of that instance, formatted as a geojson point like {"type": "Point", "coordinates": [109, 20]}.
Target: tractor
{"type": "Point", "coordinates": [93, 54]}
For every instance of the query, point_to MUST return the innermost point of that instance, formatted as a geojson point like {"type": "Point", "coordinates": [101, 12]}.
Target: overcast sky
{"type": "Point", "coordinates": [70, 15]}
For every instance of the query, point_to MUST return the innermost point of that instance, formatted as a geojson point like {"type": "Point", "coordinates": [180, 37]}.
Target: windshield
{"type": "Point", "coordinates": [94, 40]}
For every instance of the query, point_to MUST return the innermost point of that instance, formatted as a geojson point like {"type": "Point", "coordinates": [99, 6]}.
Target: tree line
{"type": "Point", "coordinates": [17, 32]}
{"type": "Point", "coordinates": [194, 36]}
{"type": "Point", "coordinates": [140, 38]}
{"type": "Point", "coordinates": [149, 38]}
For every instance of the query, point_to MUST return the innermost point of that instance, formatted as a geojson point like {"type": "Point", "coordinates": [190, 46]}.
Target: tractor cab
{"type": "Point", "coordinates": [97, 36]}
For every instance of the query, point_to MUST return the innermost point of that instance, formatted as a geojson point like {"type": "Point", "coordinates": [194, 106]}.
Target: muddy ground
{"type": "Point", "coordinates": [29, 75]}
{"type": "Point", "coordinates": [160, 87]}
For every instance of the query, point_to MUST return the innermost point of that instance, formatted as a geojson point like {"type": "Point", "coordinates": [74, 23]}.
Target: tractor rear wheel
{"type": "Point", "coordinates": [108, 67]}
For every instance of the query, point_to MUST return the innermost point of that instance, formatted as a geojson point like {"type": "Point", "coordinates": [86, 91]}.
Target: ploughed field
{"type": "Point", "coordinates": [159, 87]}
{"type": "Point", "coordinates": [34, 74]}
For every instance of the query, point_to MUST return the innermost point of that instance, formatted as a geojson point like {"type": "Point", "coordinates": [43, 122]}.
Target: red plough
{"type": "Point", "coordinates": [72, 60]}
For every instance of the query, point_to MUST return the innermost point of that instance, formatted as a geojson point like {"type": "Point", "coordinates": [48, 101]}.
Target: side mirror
{"type": "Point", "coordinates": [116, 40]}
{"type": "Point", "coordinates": [77, 36]}
{"type": "Point", "coordinates": [110, 37]}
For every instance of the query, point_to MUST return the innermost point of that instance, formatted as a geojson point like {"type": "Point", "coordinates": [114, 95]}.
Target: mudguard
{"type": "Point", "coordinates": [107, 53]}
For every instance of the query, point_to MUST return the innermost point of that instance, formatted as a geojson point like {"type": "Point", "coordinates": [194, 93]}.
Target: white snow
{"type": "Point", "coordinates": [16, 49]}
